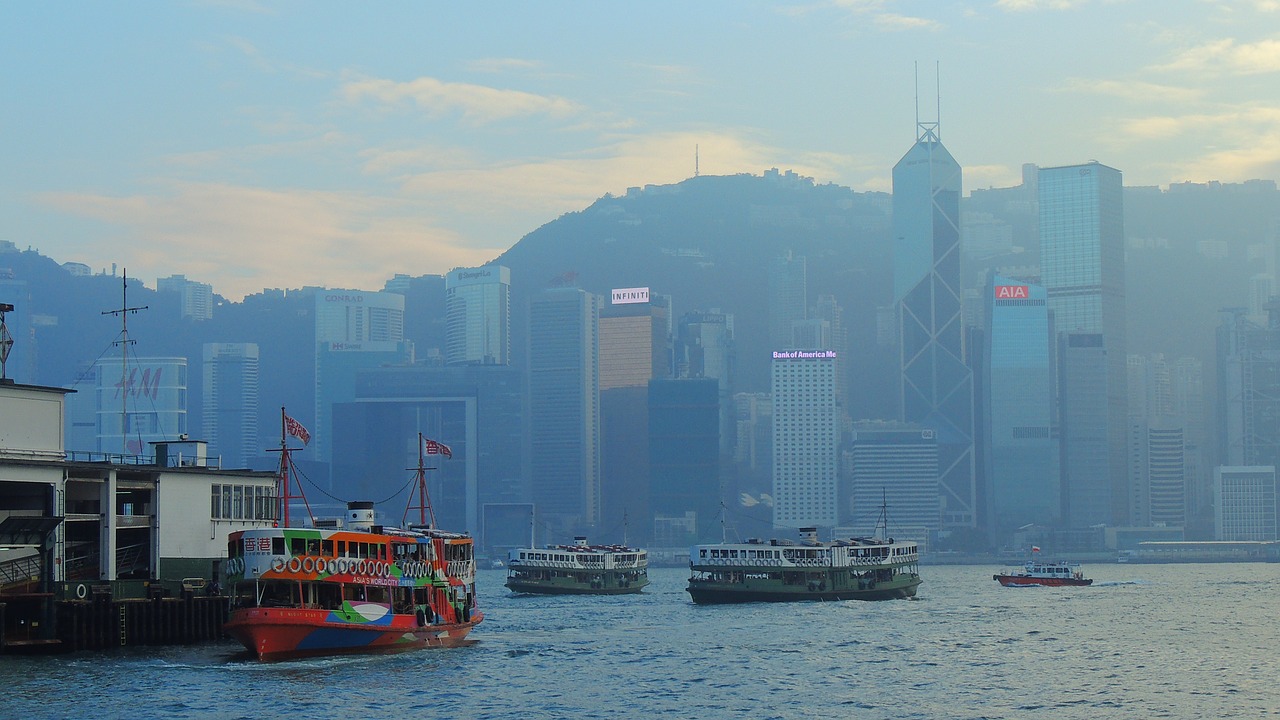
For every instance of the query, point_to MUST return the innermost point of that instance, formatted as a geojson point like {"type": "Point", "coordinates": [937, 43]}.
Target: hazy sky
{"type": "Point", "coordinates": [255, 143]}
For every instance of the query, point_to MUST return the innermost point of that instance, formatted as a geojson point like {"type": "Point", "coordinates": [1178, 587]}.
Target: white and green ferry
{"type": "Point", "coordinates": [578, 569]}
{"type": "Point", "coordinates": [787, 570]}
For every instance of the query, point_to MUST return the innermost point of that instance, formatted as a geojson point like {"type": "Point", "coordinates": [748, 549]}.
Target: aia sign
{"type": "Point", "coordinates": [1011, 292]}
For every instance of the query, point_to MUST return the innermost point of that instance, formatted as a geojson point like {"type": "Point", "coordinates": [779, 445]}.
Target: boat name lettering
{"type": "Point", "coordinates": [257, 545]}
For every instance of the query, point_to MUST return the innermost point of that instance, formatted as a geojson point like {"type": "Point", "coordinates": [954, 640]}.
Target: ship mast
{"type": "Point", "coordinates": [283, 488]}
{"type": "Point", "coordinates": [424, 497]}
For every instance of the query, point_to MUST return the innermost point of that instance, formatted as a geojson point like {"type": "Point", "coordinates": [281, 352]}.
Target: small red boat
{"type": "Point", "coordinates": [1052, 574]}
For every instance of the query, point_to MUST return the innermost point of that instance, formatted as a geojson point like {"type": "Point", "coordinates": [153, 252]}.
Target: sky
{"type": "Point", "coordinates": [256, 144]}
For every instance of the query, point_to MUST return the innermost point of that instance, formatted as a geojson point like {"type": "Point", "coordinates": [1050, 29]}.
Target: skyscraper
{"type": "Point", "coordinates": [806, 436]}
{"type": "Point", "coordinates": [564, 411]}
{"type": "Point", "coordinates": [895, 465]}
{"type": "Point", "coordinates": [936, 382]}
{"type": "Point", "coordinates": [705, 349]}
{"type": "Point", "coordinates": [1081, 211]}
{"type": "Point", "coordinates": [788, 292]}
{"type": "Point", "coordinates": [635, 349]}
{"type": "Point", "coordinates": [1021, 455]}
{"type": "Point", "coordinates": [195, 298]}
{"type": "Point", "coordinates": [230, 407]}
{"type": "Point", "coordinates": [477, 316]}
{"type": "Point", "coordinates": [355, 330]}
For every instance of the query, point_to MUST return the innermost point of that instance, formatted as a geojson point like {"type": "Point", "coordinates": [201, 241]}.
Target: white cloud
{"type": "Point", "coordinates": [1030, 5]}
{"type": "Point", "coordinates": [1226, 55]}
{"type": "Point", "coordinates": [476, 103]}
{"type": "Point", "coordinates": [1237, 145]}
{"type": "Point", "coordinates": [1137, 91]}
{"type": "Point", "coordinates": [242, 239]}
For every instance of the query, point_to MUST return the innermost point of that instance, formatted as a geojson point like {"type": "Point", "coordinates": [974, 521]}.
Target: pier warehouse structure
{"type": "Point", "coordinates": [104, 550]}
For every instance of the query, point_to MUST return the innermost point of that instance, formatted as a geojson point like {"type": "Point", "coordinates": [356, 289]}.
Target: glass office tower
{"type": "Point", "coordinates": [936, 382]}
{"type": "Point", "coordinates": [1082, 266]}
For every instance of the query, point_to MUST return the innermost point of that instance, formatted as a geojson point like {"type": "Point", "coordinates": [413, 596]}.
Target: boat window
{"type": "Point", "coordinates": [277, 546]}
{"type": "Point", "coordinates": [326, 548]}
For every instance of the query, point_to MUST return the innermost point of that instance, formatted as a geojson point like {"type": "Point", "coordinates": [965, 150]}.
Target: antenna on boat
{"type": "Point", "coordinates": [424, 498]}
{"type": "Point", "coordinates": [289, 426]}
{"type": "Point", "coordinates": [724, 533]}
{"type": "Point", "coordinates": [124, 311]}
{"type": "Point", "coordinates": [882, 523]}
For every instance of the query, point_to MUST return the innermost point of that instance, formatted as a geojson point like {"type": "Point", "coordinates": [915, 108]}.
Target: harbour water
{"type": "Point", "coordinates": [1145, 641]}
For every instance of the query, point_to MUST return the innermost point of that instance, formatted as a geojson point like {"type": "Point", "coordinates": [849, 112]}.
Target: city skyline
{"type": "Point", "coordinates": [255, 144]}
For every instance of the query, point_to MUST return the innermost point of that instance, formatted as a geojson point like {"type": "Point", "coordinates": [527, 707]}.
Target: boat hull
{"type": "Point", "coordinates": [1029, 581]}
{"type": "Point", "coordinates": [712, 593]}
{"type": "Point", "coordinates": [538, 588]}
{"type": "Point", "coordinates": [274, 634]}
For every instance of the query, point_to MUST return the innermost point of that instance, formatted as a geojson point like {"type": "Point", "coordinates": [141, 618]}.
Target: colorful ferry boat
{"type": "Point", "coordinates": [786, 570]}
{"type": "Point", "coordinates": [1043, 573]}
{"type": "Point", "coordinates": [355, 587]}
{"type": "Point", "coordinates": [578, 569]}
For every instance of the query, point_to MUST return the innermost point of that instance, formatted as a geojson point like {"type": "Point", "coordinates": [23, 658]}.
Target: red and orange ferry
{"type": "Point", "coordinates": [355, 587]}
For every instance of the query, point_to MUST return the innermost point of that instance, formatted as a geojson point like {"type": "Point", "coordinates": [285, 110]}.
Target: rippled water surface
{"type": "Point", "coordinates": [1145, 641]}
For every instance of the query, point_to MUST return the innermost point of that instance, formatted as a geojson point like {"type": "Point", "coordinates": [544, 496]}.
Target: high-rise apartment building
{"type": "Point", "coordinates": [195, 298]}
{"type": "Point", "coordinates": [477, 316]}
{"type": "Point", "coordinates": [1021, 453]}
{"type": "Point", "coordinates": [806, 439]}
{"type": "Point", "coordinates": [1081, 221]}
{"type": "Point", "coordinates": [564, 411]}
{"type": "Point", "coordinates": [230, 403]}
{"type": "Point", "coordinates": [936, 381]}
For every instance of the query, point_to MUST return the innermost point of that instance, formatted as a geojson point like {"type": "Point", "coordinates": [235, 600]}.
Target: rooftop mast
{"type": "Point", "coordinates": [124, 311]}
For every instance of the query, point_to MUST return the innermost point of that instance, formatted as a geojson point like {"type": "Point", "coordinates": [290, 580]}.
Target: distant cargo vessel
{"type": "Point", "coordinates": [786, 570]}
{"type": "Point", "coordinates": [578, 569]}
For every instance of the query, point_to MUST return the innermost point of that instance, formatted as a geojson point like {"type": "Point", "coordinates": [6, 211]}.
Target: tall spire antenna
{"type": "Point", "coordinates": [926, 132]}
{"type": "Point", "coordinates": [916, 71]}
{"type": "Point", "coordinates": [937, 79]}
{"type": "Point", "coordinates": [695, 160]}
{"type": "Point", "coordinates": [124, 311]}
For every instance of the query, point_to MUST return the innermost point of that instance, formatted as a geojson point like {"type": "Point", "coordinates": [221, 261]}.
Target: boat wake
{"type": "Point", "coordinates": [1115, 583]}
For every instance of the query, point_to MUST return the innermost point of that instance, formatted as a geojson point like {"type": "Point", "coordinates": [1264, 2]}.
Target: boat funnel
{"type": "Point", "coordinates": [809, 535]}
{"type": "Point", "coordinates": [360, 516]}
{"type": "Point", "coordinates": [580, 540]}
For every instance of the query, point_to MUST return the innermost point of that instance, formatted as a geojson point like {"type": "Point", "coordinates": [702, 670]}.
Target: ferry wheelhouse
{"type": "Point", "coordinates": [578, 569]}
{"type": "Point", "coordinates": [786, 570]}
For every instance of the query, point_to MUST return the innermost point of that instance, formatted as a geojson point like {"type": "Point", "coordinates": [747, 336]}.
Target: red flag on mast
{"type": "Point", "coordinates": [431, 447]}
{"type": "Point", "coordinates": [294, 428]}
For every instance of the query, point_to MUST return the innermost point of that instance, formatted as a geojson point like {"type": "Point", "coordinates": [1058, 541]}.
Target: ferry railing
{"type": "Point", "coordinates": [20, 570]}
